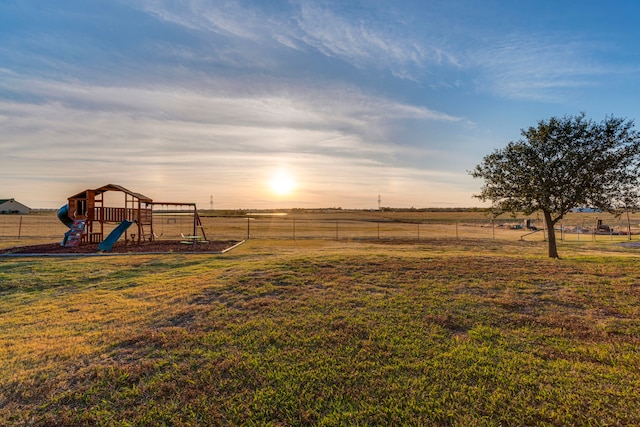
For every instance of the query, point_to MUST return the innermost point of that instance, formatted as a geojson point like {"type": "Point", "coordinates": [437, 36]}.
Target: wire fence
{"type": "Point", "coordinates": [47, 228]}
{"type": "Point", "coordinates": [257, 228]}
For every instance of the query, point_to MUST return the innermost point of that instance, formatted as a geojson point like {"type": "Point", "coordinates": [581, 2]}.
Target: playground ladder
{"type": "Point", "coordinates": [73, 236]}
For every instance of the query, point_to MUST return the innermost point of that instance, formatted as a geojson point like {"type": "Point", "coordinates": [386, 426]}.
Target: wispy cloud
{"type": "Point", "coordinates": [368, 42]}
{"type": "Point", "coordinates": [174, 135]}
{"type": "Point", "coordinates": [521, 65]}
{"type": "Point", "coordinates": [268, 104]}
{"type": "Point", "coordinates": [225, 17]}
{"type": "Point", "coordinates": [537, 66]}
{"type": "Point", "coordinates": [310, 26]}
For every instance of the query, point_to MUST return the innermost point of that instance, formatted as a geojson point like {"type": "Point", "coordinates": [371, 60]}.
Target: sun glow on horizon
{"type": "Point", "coordinates": [282, 183]}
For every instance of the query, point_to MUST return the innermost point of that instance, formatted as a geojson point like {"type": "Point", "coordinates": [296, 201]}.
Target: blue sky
{"type": "Point", "coordinates": [295, 103]}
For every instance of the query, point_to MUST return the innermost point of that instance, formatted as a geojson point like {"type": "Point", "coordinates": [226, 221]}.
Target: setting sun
{"type": "Point", "coordinates": [282, 183]}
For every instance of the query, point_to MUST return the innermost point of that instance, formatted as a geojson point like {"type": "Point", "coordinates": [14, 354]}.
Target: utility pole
{"type": "Point", "coordinates": [211, 202]}
{"type": "Point", "coordinates": [379, 202]}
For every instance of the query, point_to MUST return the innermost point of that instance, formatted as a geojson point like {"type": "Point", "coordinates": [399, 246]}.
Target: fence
{"type": "Point", "coordinates": [47, 228]}
{"type": "Point", "coordinates": [259, 228]}
{"type": "Point", "coordinates": [341, 229]}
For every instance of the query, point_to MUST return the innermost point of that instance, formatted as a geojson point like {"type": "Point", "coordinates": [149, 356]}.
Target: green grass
{"type": "Point", "coordinates": [325, 333]}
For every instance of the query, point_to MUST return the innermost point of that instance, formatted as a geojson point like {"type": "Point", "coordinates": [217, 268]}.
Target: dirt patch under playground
{"type": "Point", "coordinates": [158, 246]}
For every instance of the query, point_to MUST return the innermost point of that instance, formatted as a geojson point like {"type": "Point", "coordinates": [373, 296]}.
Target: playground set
{"type": "Point", "coordinates": [91, 220]}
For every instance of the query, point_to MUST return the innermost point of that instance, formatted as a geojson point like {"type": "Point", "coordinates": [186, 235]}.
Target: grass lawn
{"type": "Point", "coordinates": [443, 332]}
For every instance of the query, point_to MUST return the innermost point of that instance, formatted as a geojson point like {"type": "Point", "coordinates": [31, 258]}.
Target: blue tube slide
{"type": "Point", "coordinates": [63, 215]}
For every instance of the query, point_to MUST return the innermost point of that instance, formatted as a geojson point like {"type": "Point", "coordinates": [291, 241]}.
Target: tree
{"type": "Point", "coordinates": [564, 163]}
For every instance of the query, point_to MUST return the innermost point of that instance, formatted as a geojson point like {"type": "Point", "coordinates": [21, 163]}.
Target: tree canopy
{"type": "Point", "coordinates": [564, 162]}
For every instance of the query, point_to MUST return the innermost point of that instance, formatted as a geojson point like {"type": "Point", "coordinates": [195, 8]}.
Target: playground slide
{"type": "Point", "coordinates": [113, 237]}
{"type": "Point", "coordinates": [63, 215]}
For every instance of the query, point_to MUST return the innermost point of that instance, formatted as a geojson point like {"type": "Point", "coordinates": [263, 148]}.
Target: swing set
{"type": "Point", "coordinates": [97, 217]}
{"type": "Point", "coordinates": [178, 219]}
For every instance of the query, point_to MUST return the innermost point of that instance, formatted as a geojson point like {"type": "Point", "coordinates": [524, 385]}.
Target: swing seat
{"type": "Point", "coordinates": [192, 240]}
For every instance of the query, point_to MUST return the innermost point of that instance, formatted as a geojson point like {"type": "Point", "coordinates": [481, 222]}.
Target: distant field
{"type": "Point", "coordinates": [324, 332]}
{"type": "Point", "coordinates": [342, 225]}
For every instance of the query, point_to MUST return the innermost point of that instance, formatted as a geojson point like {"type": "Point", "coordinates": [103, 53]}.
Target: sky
{"type": "Point", "coordinates": [295, 103]}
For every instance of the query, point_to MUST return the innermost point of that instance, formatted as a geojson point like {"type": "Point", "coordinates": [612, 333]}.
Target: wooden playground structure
{"type": "Point", "coordinates": [93, 213]}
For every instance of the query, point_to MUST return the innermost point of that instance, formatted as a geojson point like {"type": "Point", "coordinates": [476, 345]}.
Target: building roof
{"type": "Point", "coordinates": [113, 187]}
{"type": "Point", "coordinates": [3, 201]}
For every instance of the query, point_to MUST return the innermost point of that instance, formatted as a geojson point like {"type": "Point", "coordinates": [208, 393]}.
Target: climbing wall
{"type": "Point", "coordinates": [75, 233]}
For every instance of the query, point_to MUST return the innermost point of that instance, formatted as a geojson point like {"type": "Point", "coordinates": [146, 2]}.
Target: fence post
{"type": "Point", "coordinates": [294, 229]}
{"type": "Point", "coordinates": [337, 230]}
{"type": "Point", "coordinates": [457, 237]}
{"type": "Point", "coordinates": [418, 231]}
{"type": "Point", "coordinates": [20, 227]}
{"type": "Point", "coordinates": [378, 230]}
{"type": "Point", "coordinates": [248, 229]}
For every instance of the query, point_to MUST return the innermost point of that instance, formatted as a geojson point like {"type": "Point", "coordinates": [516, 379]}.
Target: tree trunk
{"type": "Point", "coordinates": [553, 248]}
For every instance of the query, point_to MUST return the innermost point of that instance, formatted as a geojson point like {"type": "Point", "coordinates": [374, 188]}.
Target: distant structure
{"type": "Point", "coordinates": [87, 214]}
{"type": "Point", "coordinates": [10, 206]}
{"type": "Point", "coordinates": [585, 209]}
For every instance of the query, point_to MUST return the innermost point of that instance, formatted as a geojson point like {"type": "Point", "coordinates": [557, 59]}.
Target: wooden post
{"type": "Point", "coordinates": [195, 221]}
